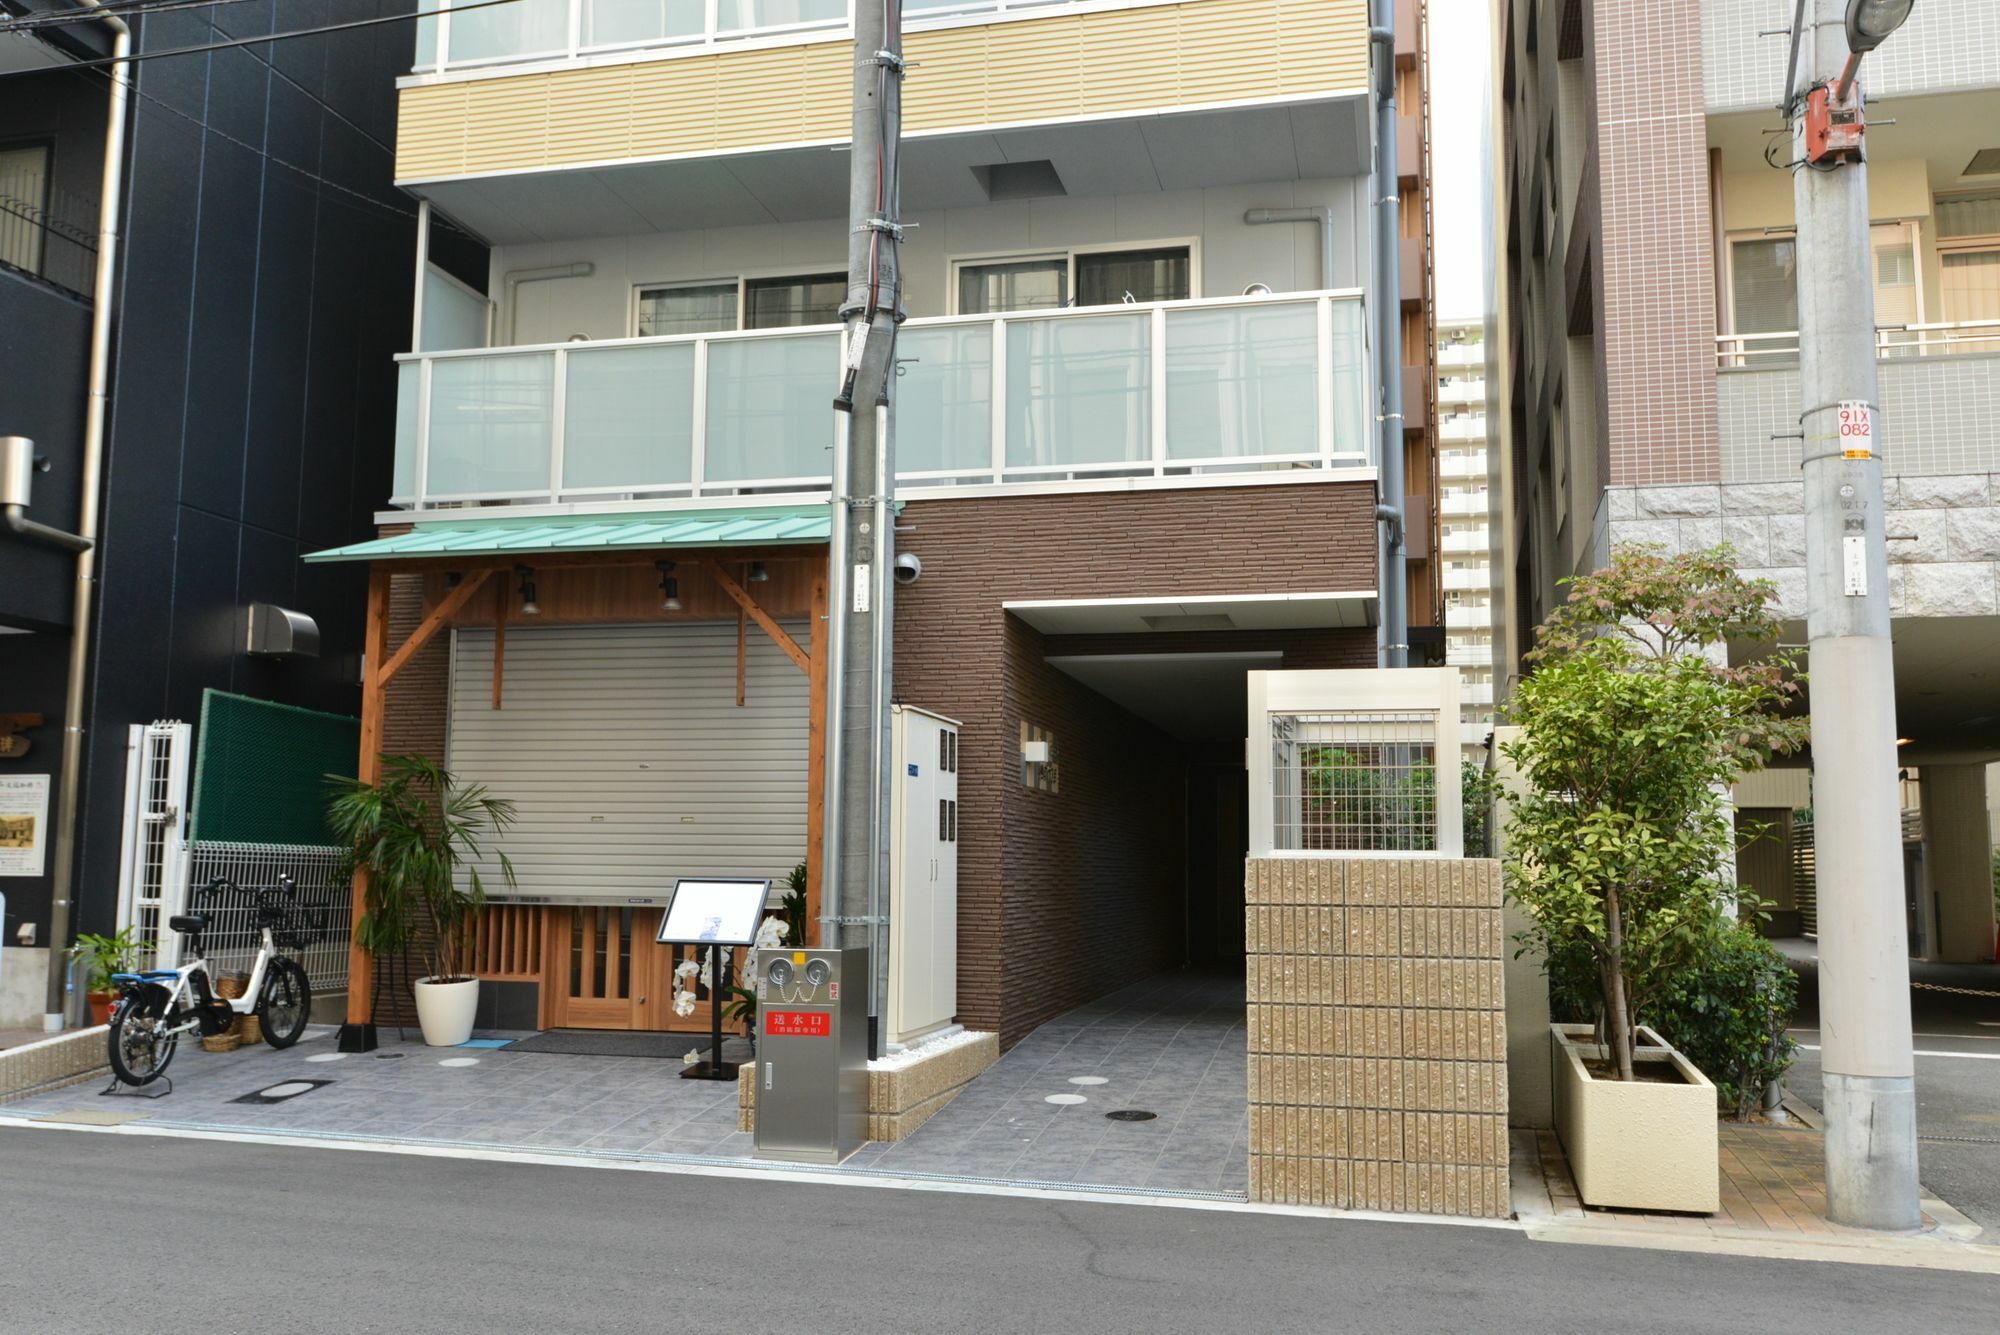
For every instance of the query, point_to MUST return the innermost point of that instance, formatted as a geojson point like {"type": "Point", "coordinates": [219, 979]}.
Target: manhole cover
{"type": "Point", "coordinates": [1130, 1115]}
{"type": "Point", "coordinates": [279, 1093]}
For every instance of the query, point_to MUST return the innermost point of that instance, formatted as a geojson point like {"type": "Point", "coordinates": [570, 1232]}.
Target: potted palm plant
{"type": "Point", "coordinates": [419, 835]}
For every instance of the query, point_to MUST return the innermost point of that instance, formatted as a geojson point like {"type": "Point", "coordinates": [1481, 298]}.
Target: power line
{"type": "Point", "coordinates": [204, 47]}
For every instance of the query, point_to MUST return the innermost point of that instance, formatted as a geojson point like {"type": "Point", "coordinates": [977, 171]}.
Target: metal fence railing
{"type": "Point", "coordinates": [48, 233]}
{"type": "Point", "coordinates": [324, 894]}
{"type": "Point", "coordinates": [1355, 781]}
{"type": "Point", "coordinates": [1781, 347]}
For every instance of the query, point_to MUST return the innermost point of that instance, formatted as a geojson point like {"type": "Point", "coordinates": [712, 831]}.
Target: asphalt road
{"type": "Point", "coordinates": [141, 1233]}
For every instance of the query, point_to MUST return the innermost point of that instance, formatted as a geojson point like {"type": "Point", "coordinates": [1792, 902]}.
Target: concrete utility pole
{"type": "Point", "coordinates": [860, 584]}
{"type": "Point", "coordinates": [1864, 971]}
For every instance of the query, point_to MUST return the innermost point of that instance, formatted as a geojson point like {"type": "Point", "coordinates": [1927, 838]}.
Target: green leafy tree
{"type": "Point", "coordinates": [1620, 840]}
{"type": "Point", "coordinates": [419, 834]}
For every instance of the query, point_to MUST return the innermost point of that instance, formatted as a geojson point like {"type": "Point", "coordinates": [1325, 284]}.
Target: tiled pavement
{"type": "Point", "coordinates": [1773, 1188]}
{"type": "Point", "coordinates": [1174, 1047]}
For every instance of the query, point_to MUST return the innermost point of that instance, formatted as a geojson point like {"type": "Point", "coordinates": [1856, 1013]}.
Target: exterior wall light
{"type": "Point", "coordinates": [759, 575]}
{"type": "Point", "coordinates": [529, 607]}
{"type": "Point", "coordinates": [670, 588]}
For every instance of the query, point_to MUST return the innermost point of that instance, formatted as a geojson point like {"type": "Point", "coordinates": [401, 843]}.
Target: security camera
{"type": "Point", "coordinates": [908, 568]}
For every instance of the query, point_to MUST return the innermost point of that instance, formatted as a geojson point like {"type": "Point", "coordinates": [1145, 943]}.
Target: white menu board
{"type": "Point", "coordinates": [718, 912]}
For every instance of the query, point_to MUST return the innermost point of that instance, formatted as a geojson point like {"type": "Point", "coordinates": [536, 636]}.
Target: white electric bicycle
{"type": "Point", "coordinates": [156, 1006]}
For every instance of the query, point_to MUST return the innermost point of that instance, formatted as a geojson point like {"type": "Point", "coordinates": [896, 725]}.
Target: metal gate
{"type": "Point", "coordinates": [153, 857]}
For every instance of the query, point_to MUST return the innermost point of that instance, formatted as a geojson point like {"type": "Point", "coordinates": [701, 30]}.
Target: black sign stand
{"type": "Point", "coordinates": [714, 1068]}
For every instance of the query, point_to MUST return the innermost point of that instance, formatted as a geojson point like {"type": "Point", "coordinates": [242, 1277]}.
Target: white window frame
{"type": "Point", "coordinates": [1731, 238]}
{"type": "Point", "coordinates": [1068, 254]}
{"type": "Point", "coordinates": [742, 281]}
{"type": "Point", "coordinates": [1978, 243]}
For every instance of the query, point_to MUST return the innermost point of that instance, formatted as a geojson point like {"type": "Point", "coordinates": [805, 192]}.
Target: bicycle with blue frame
{"type": "Point", "coordinates": [156, 1007]}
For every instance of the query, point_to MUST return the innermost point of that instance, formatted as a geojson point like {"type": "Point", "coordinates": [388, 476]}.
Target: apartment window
{"type": "Point", "coordinates": [787, 303]}
{"type": "Point", "coordinates": [1968, 228]}
{"type": "Point", "coordinates": [1012, 285]}
{"type": "Point", "coordinates": [757, 303]}
{"type": "Point", "coordinates": [1104, 278]}
{"type": "Point", "coordinates": [1095, 277]}
{"type": "Point", "coordinates": [24, 202]}
{"type": "Point", "coordinates": [693, 308]}
{"type": "Point", "coordinates": [1764, 291]}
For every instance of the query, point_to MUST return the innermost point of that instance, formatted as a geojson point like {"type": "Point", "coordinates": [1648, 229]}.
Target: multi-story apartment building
{"type": "Point", "coordinates": [1466, 495]}
{"type": "Point", "coordinates": [259, 289]}
{"type": "Point", "coordinates": [1136, 456]}
{"type": "Point", "coordinates": [1652, 387]}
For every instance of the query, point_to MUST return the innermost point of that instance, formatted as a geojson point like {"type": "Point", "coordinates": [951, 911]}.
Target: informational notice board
{"type": "Point", "coordinates": [24, 823]}
{"type": "Point", "coordinates": [720, 912]}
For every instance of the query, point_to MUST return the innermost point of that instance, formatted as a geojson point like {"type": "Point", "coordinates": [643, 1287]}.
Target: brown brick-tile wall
{"type": "Point", "coordinates": [1377, 1032]}
{"type": "Point", "coordinates": [1061, 895]}
{"type": "Point", "coordinates": [1656, 300]}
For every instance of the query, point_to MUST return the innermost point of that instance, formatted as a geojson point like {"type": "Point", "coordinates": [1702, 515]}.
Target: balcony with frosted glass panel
{"type": "Point", "coordinates": [1189, 389]}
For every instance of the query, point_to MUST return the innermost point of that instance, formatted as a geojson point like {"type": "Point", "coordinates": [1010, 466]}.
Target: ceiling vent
{"type": "Point", "coordinates": [1190, 621]}
{"type": "Point", "coordinates": [1986, 162]}
{"type": "Point", "coordinates": [1003, 181]}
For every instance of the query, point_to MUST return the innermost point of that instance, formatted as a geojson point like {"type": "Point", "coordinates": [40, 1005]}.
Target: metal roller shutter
{"type": "Point", "coordinates": [627, 758]}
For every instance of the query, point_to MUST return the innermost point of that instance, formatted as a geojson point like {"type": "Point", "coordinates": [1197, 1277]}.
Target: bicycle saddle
{"type": "Point", "coordinates": [188, 923]}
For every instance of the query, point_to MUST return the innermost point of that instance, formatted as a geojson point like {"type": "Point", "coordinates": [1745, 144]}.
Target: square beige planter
{"type": "Point", "coordinates": [1640, 1145]}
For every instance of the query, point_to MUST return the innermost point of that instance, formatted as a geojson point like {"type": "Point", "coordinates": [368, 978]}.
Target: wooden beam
{"type": "Point", "coordinates": [368, 767]}
{"type": "Point", "coordinates": [429, 626]}
{"type": "Point", "coordinates": [742, 656]}
{"type": "Point", "coordinates": [501, 605]}
{"type": "Point", "coordinates": [799, 657]}
{"type": "Point", "coordinates": [816, 677]}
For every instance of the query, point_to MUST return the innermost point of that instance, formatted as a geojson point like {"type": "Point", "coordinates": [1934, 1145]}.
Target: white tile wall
{"type": "Point", "coordinates": [1947, 46]}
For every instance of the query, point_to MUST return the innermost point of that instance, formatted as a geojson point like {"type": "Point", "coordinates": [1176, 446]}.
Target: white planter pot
{"type": "Point", "coordinates": [445, 1011]}
{"type": "Point", "coordinates": [1638, 1145]}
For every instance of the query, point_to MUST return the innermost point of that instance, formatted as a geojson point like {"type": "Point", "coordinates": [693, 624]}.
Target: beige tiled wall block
{"type": "Point", "coordinates": [1377, 1034]}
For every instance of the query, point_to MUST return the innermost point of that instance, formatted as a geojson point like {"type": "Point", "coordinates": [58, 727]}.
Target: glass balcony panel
{"type": "Point", "coordinates": [944, 399]}
{"type": "Point", "coordinates": [621, 22]}
{"type": "Point", "coordinates": [1242, 381]}
{"type": "Point", "coordinates": [1352, 416]}
{"type": "Point", "coordinates": [403, 480]}
{"type": "Point", "coordinates": [502, 32]}
{"type": "Point", "coordinates": [628, 417]}
{"type": "Point", "coordinates": [1079, 390]}
{"type": "Point", "coordinates": [737, 14]}
{"type": "Point", "coordinates": [490, 424]}
{"type": "Point", "coordinates": [770, 411]}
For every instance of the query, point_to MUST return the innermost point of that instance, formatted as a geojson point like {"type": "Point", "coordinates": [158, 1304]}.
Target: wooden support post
{"type": "Point", "coordinates": [502, 603]}
{"type": "Point", "coordinates": [816, 760]}
{"type": "Point", "coordinates": [764, 620]}
{"type": "Point", "coordinates": [446, 609]}
{"type": "Point", "coordinates": [368, 768]}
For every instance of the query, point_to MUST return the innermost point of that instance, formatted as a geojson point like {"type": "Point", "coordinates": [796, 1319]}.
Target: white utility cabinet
{"type": "Point", "coordinates": [923, 875]}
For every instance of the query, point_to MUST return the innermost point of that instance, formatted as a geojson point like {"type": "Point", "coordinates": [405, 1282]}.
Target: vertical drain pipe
{"type": "Point", "coordinates": [69, 820]}
{"type": "Point", "coordinates": [1394, 650]}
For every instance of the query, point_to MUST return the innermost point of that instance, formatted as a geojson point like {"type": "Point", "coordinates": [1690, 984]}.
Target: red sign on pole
{"type": "Point", "coordinates": [798, 1024]}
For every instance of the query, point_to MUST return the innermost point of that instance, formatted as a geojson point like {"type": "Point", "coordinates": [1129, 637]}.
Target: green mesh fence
{"type": "Point", "coordinates": [260, 770]}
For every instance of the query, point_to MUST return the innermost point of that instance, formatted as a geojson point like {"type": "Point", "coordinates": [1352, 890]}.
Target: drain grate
{"type": "Point", "coordinates": [1130, 1115]}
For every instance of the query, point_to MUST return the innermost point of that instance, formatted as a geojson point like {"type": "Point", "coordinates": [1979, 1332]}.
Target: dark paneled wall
{"type": "Point", "coordinates": [266, 286]}
{"type": "Point", "coordinates": [44, 344]}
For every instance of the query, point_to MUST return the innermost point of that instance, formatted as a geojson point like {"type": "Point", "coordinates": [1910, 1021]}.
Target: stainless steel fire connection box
{"type": "Point", "coordinates": [812, 1054]}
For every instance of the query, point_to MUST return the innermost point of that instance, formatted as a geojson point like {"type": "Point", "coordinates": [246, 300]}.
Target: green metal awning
{"type": "Point", "coordinates": [768, 526]}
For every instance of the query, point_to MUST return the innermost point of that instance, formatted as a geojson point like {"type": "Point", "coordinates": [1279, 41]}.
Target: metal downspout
{"type": "Point", "coordinates": [96, 412]}
{"type": "Point", "coordinates": [1392, 579]}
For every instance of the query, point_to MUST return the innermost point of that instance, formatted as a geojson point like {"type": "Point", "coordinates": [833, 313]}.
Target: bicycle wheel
{"type": "Point", "coordinates": [286, 1004]}
{"type": "Point", "coordinates": [140, 1046]}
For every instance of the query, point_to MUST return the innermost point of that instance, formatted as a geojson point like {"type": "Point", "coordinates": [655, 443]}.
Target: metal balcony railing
{"type": "Point", "coordinates": [1224, 387]}
{"type": "Point", "coordinates": [48, 232]}
{"type": "Point", "coordinates": [1909, 340]}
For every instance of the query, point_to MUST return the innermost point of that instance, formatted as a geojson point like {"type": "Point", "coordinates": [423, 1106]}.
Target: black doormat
{"type": "Point", "coordinates": [619, 1043]}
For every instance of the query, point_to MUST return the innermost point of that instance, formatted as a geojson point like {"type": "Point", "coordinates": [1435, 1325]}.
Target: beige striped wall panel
{"type": "Point", "coordinates": [1062, 67]}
